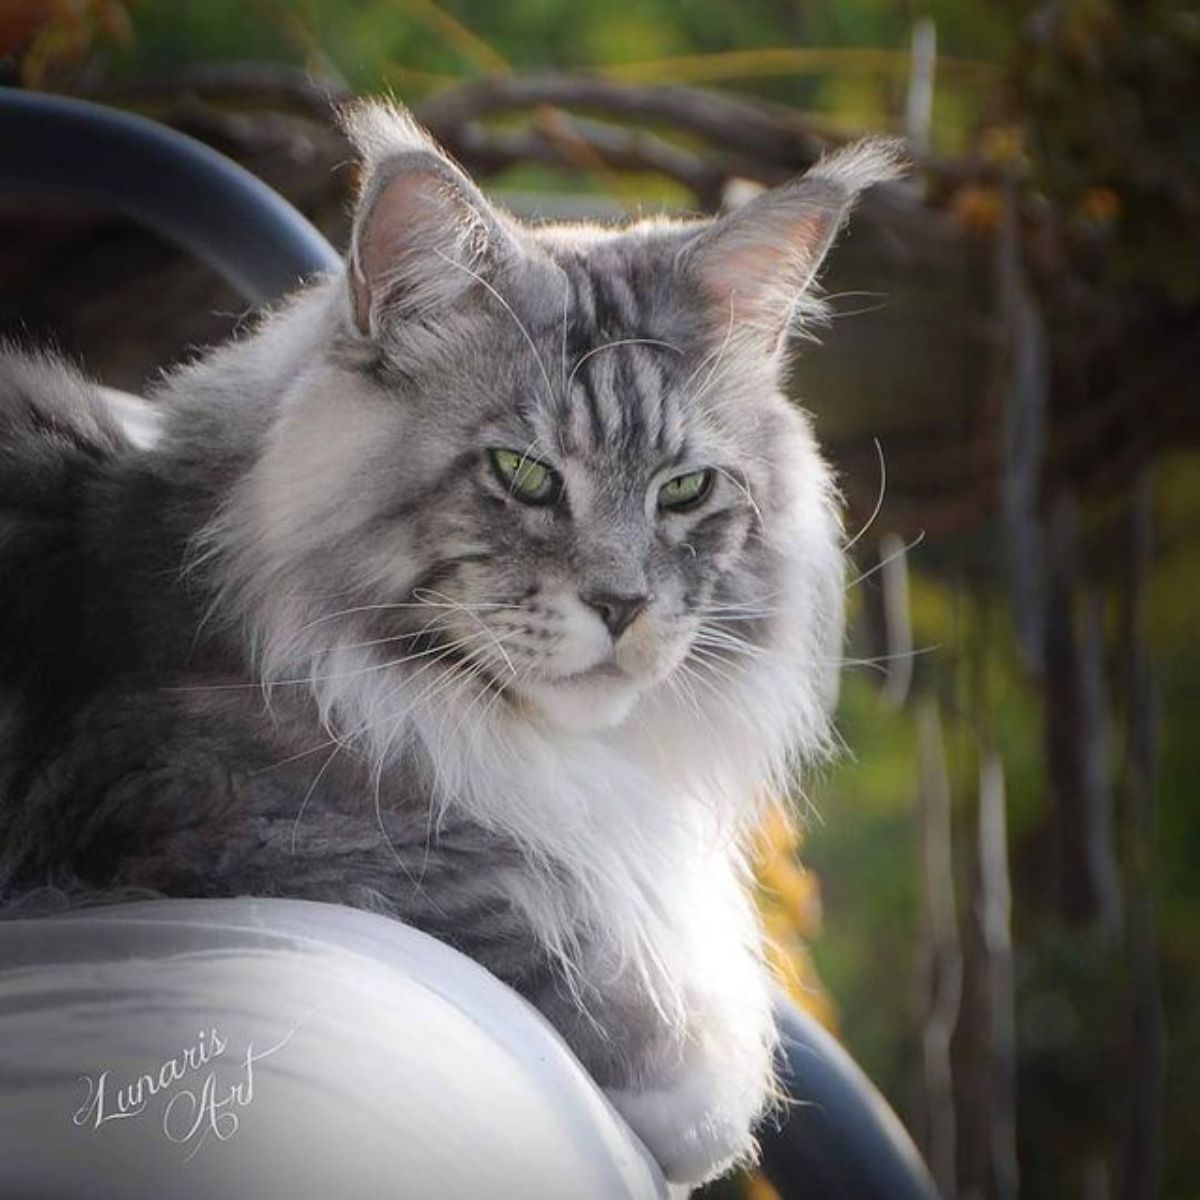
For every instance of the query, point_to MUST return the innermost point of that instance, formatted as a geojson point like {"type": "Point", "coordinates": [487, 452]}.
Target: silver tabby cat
{"type": "Point", "coordinates": [491, 583]}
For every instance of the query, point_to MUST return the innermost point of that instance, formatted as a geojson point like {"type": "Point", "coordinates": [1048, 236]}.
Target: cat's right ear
{"type": "Point", "coordinates": [424, 235]}
{"type": "Point", "coordinates": [755, 267]}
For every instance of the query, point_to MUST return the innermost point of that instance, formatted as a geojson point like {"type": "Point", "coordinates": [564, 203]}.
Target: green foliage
{"type": "Point", "coordinates": [1073, 989]}
{"type": "Point", "coordinates": [412, 45]}
{"type": "Point", "coordinates": [862, 844]}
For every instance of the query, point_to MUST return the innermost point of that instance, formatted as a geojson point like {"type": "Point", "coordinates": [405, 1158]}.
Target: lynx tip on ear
{"type": "Point", "coordinates": [862, 164]}
{"type": "Point", "coordinates": [382, 129]}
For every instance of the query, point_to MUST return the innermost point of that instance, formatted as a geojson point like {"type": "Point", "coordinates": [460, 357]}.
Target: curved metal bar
{"type": "Point", "coordinates": [111, 160]}
{"type": "Point", "coordinates": [839, 1140]}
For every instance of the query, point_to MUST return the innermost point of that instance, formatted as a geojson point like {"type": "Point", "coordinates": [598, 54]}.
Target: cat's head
{"type": "Point", "coordinates": [549, 468]}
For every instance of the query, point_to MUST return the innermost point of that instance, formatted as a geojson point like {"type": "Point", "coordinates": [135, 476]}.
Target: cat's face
{"type": "Point", "coordinates": [551, 468]}
{"type": "Point", "coordinates": [580, 500]}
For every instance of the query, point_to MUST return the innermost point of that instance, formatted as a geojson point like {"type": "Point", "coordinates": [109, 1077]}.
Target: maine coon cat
{"type": "Point", "coordinates": [491, 583]}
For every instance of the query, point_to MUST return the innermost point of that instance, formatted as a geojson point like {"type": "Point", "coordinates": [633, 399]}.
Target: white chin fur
{"type": "Point", "coordinates": [583, 706]}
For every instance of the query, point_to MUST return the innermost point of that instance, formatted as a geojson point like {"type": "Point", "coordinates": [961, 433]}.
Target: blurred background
{"type": "Point", "coordinates": [992, 897]}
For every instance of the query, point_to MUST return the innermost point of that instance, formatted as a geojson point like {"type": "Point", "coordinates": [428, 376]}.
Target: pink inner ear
{"type": "Point", "coordinates": [760, 264]}
{"type": "Point", "coordinates": [397, 214]}
{"type": "Point", "coordinates": [415, 223]}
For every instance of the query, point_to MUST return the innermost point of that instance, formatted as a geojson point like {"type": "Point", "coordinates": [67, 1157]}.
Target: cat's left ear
{"type": "Point", "coordinates": [424, 235]}
{"type": "Point", "coordinates": [755, 266]}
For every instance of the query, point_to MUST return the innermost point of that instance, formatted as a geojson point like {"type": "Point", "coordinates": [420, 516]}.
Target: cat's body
{"type": "Point", "coordinates": [310, 642]}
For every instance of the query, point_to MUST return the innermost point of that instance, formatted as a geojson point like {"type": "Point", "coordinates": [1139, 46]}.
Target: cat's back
{"type": "Point", "coordinates": [58, 444]}
{"type": "Point", "coordinates": [97, 760]}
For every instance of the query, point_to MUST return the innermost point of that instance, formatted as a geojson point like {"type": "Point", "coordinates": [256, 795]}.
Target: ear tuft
{"type": "Point", "coordinates": [862, 164]}
{"type": "Point", "coordinates": [380, 129]}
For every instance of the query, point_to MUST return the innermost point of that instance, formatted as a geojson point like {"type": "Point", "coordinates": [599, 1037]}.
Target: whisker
{"type": "Point", "coordinates": [890, 559]}
{"type": "Point", "coordinates": [878, 499]}
{"type": "Point", "coordinates": [378, 789]}
{"type": "Point", "coordinates": [340, 742]}
{"type": "Point", "coordinates": [745, 611]}
{"type": "Point", "coordinates": [458, 643]}
{"type": "Point", "coordinates": [396, 605]}
{"type": "Point", "coordinates": [721, 667]}
{"type": "Point", "coordinates": [478, 621]}
{"type": "Point", "coordinates": [879, 661]}
{"type": "Point", "coordinates": [283, 762]}
{"type": "Point", "coordinates": [489, 683]}
{"type": "Point", "coordinates": [688, 678]}
{"type": "Point", "coordinates": [742, 605]}
{"type": "Point", "coordinates": [433, 625]}
{"type": "Point", "coordinates": [745, 490]}
{"type": "Point", "coordinates": [884, 302]}
{"type": "Point", "coordinates": [708, 686]}
{"type": "Point", "coordinates": [635, 341]}
{"type": "Point", "coordinates": [737, 647]}
{"type": "Point", "coordinates": [312, 787]}
{"type": "Point", "coordinates": [734, 618]}
{"type": "Point", "coordinates": [457, 680]}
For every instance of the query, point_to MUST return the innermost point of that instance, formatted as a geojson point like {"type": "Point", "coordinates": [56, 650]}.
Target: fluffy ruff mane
{"type": "Point", "coordinates": [625, 829]}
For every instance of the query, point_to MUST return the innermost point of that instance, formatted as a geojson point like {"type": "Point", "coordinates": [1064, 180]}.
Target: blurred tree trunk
{"type": "Point", "coordinates": [940, 951]}
{"type": "Point", "coordinates": [995, 919]}
{"type": "Point", "coordinates": [1077, 748]}
{"type": "Point", "coordinates": [1142, 1164]}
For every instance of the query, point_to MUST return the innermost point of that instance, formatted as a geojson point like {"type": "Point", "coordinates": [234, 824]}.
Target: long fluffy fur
{"type": "Point", "coordinates": [619, 845]}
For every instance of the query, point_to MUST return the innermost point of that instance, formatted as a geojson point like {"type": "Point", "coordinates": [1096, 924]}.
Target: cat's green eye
{"type": "Point", "coordinates": [685, 491]}
{"type": "Point", "coordinates": [525, 478]}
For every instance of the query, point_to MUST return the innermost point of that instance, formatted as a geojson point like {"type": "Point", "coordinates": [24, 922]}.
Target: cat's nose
{"type": "Point", "coordinates": [617, 612]}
